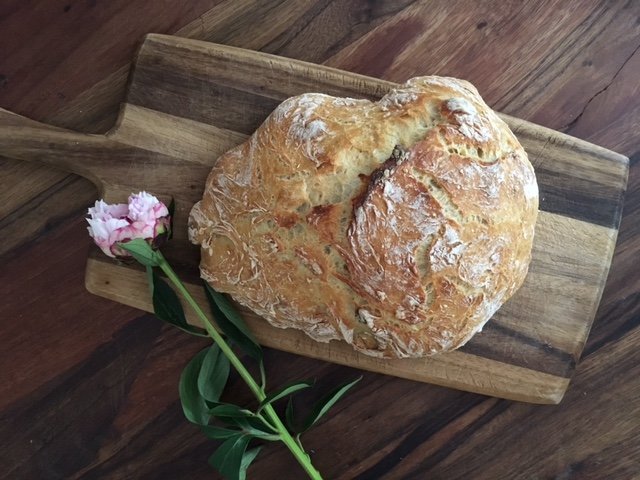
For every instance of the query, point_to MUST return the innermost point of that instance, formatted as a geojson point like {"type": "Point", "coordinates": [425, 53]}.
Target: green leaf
{"type": "Point", "coordinates": [213, 374]}
{"type": "Point", "coordinates": [228, 410]}
{"type": "Point", "coordinates": [289, 417]}
{"type": "Point", "coordinates": [167, 307]}
{"type": "Point", "coordinates": [326, 403]}
{"type": "Point", "coordinates": [219, 433]}
{"type": "Point", "coordinates": [194, 405]}
{"type": "Point", "coordinates": [283, 392]}
{"type": "Point", "coordinates": [231, 323]}
{"type": "Point", "coordinates": [141, 251]}
{"type": "Point", "coordinates": [248, 457]}
{"type": "Point", "coordinates": [249, 423]}
{"type": "Point", "coordinates": [255, 427]}
{"type": "Point", "coordinates": [227, 459]}
{"type": "Point", "coordinates": [252, 427]}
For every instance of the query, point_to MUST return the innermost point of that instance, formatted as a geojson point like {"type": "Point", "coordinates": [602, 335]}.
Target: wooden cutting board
{"type": "Point", "coordinates": [189, 101]}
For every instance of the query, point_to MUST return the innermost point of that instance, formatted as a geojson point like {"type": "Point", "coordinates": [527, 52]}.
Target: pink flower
{"type": "Point", "coordinates": [143, 217]}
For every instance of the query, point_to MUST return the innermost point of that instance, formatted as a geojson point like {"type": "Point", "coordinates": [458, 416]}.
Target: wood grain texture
{"type": "Point", "coordinates": [467, 371]}
{"type": "Point", "coordinates": [569, 65]}
{"type": "Point", "coordinates": [189, 101]}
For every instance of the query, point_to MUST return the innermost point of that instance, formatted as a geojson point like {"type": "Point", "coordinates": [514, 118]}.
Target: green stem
{"type": "Point", "coordinates": [295, 448]}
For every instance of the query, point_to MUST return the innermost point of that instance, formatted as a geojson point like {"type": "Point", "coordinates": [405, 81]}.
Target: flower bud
{"type": "Point", "coordinates": [143, 217]}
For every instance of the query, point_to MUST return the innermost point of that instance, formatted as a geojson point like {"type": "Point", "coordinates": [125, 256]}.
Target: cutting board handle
{"type": "Point", "coordinates": [25, 139]}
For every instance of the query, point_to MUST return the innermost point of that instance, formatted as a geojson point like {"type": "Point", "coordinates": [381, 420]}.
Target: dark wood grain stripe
{"type": "Point", "coordinates": [182, 453]}
{"type": "Point", "coordinates": [73, 398]}
{"type": "Point", "coordinates": [433, 423]}
{"type": "Point", "coordinates": [631, 208]}
{"type": "Point", "coordinates": [582, 199]}
{"type": "Point", "coordinates": [620, 318]}
{"type": "Point", "coordinates": [15, 217]}
{"type": "Point", "coordinates": [218, 105]}
{"type": "Point", "coordinates": [579, 40]}
{"type": "Point", "coordinates": [531, 353]}
{"type": "Point", "coordinates": [461, 437]}
{"type": "Point", "coordinates": [271, 76]}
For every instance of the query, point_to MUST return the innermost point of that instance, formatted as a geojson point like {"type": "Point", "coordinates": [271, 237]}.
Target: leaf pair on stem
{"type": "Point", "coordinates": [203, 380]}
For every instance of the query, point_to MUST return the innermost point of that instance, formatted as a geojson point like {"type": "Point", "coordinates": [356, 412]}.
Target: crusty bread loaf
{"type": "Point", "coordinates": [400, 226]}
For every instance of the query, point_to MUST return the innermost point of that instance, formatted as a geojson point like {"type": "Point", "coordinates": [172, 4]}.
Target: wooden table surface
{"type": "Point", "coordinates": [89, 387]}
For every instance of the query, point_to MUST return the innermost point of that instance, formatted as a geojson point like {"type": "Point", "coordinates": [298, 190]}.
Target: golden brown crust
{"type": "Point", "coordinates": [400, 226]}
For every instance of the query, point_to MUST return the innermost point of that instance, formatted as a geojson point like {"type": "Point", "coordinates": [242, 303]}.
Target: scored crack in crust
{"type": "Point", "coordinates": [400, 226]}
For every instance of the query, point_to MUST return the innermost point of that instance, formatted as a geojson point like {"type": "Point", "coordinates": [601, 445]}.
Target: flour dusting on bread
{"type": "Point", "coordinates": [399, 226]}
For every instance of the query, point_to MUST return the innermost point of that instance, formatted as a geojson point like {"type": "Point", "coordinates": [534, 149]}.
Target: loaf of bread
{"type": "Point", "coordinates": [399, 226]}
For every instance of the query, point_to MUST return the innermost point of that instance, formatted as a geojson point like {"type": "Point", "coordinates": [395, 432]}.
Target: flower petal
{"type": "Point", "coordinates": [143, 217]}
{"type": "Point", "coordinates": [142, 207]}
{"type": "Point", "coordinates": [105, 211]}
